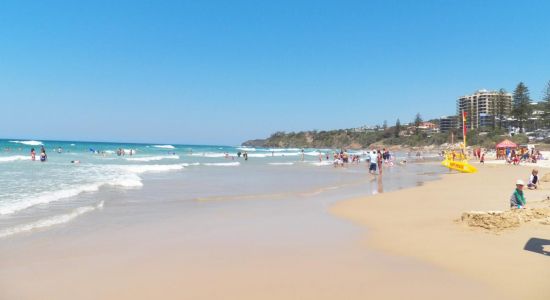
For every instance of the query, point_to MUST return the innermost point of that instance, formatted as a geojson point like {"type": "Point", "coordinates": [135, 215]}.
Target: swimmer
{"type": "Point", "coordinates": [43, 156]}
{"type": "Point", "coordinates": [75, 161]}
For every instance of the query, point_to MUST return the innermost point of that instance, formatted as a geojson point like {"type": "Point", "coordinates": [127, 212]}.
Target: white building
{"type": "Point", "coordinates": [483, 108]}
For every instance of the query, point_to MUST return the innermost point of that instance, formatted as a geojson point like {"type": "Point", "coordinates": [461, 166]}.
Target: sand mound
{"type": "Point", "coordinates": [500, 220]}
{"type": "Point", "coordinates": [545, 178]}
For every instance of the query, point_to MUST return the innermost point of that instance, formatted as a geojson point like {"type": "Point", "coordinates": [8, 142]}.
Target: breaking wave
{"type": "Point", "coordinates": [50, 221]}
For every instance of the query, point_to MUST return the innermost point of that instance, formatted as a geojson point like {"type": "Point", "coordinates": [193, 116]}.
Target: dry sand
{"type": "Point", "coordinates": [448, 224]}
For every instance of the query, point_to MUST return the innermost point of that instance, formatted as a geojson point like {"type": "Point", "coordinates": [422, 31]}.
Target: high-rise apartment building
{"type": "Point", "coordinates": [484, 108]}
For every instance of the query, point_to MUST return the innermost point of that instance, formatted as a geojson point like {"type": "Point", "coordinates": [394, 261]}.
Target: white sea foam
{"type": "Point", "coordinates": [50, 221]}
{"type": "Point", "coordinates": [281, 163]}
{"type": "Point", "coordinates": [30, 143]}
{"type": "Point", "coordinates": [246, 149]}
{"type": "Point", "coordinates": [47, 197]}
{"type": "Point", "coordinates": [14, 158]}
{"type": "Point", "coordinates": [164, 146]}
{"type": "Point", "coordinates": [281, 154]}
{"type": "Point", "coordinates": [229, 164]}
{"type": "Point", "coordinates": [260, 155]}
{"type": "Point", "coordinates": [139, 169]}
{"type": "Point", "coordinates": [208, 154]}
{"type": "Point", "coordinates": [322, 163]}
{"type": "Point", "coordinates": [275, 150]}
{"type": "Point", "coordinates": [125, 176]}
{"type": "Point", "coordinates": [313, 153]}
{"type": "Point", "coordinates": [281, 149]}
{"type": "Point", "coordinates": [152, 158]}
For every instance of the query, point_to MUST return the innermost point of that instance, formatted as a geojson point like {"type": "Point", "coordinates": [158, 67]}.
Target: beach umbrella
{"type": "Point", "coordinates": [506, 144]}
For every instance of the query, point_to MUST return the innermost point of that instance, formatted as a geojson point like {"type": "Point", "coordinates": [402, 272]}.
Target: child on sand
{"type": "Point", "coordinates": [482, 157]}
{"type": "Point", "coordinates": [517, 200]}
{"type": "Point", "coordinates": [533, 180]}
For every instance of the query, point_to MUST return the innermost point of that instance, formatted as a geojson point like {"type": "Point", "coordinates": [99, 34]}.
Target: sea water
{"type": "Point", "coordinates": [36, 195]}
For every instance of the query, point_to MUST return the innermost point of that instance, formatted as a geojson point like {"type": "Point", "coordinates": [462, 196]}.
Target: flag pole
{"type": "Point", "coordinates": [464, 130]}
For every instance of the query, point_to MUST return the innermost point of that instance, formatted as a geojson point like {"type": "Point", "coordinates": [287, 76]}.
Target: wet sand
{"type": "Point", "coordinates": [153, 244]}
{"type": "Point", "coordinates": [424, 223]}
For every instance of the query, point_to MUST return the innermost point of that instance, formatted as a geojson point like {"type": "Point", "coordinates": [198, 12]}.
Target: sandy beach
{"type": "Point", "coordinates": [157, 243]}
{"type": "Point", "coordinates": [425, 223]}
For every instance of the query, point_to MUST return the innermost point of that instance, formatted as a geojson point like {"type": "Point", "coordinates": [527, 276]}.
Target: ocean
{"type": "Point", "coordinates": [82, 177]}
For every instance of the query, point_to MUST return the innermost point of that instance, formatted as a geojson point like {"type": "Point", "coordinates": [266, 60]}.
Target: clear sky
{"type": "Point", "coordinates": [221, 72]}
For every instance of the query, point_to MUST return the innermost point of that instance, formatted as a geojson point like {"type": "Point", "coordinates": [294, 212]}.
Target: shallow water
{"type": "Point", "coordinates": [36, 196]}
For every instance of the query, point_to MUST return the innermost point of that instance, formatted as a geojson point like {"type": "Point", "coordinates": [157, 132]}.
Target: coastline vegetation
{"type": "Point", "coordinates": [348, 138]}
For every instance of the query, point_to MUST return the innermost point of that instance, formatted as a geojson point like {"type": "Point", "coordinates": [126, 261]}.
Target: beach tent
{"type": "Point", "coordinates": [502, 146]}
{"type": "Point", "coordinates": [507, 144]}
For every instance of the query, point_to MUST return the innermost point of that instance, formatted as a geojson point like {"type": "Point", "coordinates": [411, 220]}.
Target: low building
{"type": "Point", "coordinates": [428, 127]}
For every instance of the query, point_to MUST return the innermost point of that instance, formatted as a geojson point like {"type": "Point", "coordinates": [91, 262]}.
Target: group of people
{"type": "Point", "coordinates": [513, 157]}
{"type": "Point", "coordinates": [122, 152]}
{"type": "Point", "coordinates": [43, 155]}
{"type": "Point", "coordinates": [374, 158]}
{"type": "Point", "coordinates": [239, 154]}
{"type": "Point", "coordinates": [340, 158]}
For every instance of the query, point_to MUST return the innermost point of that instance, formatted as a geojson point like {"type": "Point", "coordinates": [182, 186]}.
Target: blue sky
{"type": "Point", "coordinates": [221, 72]}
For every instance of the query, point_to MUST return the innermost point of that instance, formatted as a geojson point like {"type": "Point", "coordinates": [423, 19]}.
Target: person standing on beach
{"type": "Point", "coordinates": [33, 154]}
{"type": "Point", "coordinates": [517, 200]}
{"type": "Point", "coordinates": [373, 162]}
{"type": "Point", "coordinates": [379, 161]}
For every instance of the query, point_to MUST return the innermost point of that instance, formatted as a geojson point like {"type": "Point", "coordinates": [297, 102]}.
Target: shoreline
{"type": "Point", "coordinates": [421, 223]}
{"type": "Point", "coordinates": [138, 247]}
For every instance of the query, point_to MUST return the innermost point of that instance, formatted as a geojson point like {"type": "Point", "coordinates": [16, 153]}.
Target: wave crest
{"type": "Point", "coordinates": [51, 221]}
{"type": "Point", "coordinates": [30, 143]}
{"type": "Point", "coordinates": [153, 158]}
{"type": "Point", "coordinates": [14, 158]}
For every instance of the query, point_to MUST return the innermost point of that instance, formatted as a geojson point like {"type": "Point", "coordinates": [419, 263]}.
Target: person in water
{"type": "Point", "coordinates": [533, 180]}
{"type": "Point", "coordinates": [517, 200]}
{"type": "Point", "coordinates": [33, 154]}
{"type": "Point", "coordinates": [43, 156]}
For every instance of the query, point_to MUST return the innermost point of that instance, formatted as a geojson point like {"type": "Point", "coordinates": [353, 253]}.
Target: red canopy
{"type": "Point", "coordinates": [507, 144]}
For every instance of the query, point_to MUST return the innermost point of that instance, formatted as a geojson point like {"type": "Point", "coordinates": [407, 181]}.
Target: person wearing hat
{"type": "Point", "coordinates": [517, 200]}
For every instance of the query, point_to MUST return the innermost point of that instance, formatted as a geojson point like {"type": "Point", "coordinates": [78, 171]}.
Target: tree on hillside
{"type": "Point", "coordinates": [417, 121]}
{"type": "Point", "coordinates": [385, 125]}
{"type": "Point", "coordinates": [397, 127]}
{"type": "Point", "coordinates": [546, 103]}
{"type": "Point", "coordinates": [500, 107]}
{"type": "Point", "coordinates": [522, 104]}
